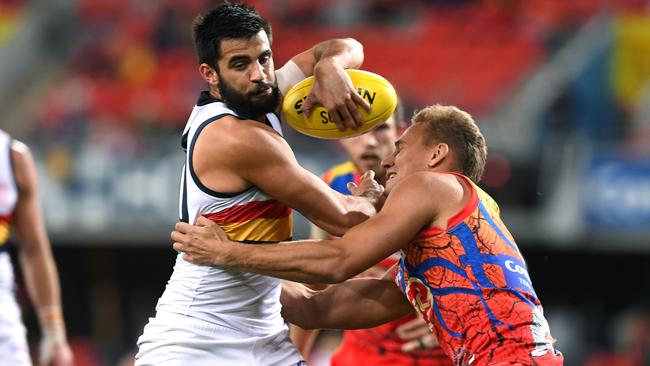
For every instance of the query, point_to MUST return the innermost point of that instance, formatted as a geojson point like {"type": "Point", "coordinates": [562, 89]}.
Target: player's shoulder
{"type": "Point", "coordinates": [340, 175]}
{"type": "Point", "coordinates": [20, 153]}
{"type": "Point", "coordinates": [344, 168]}
{"type": "Point", "coordinates": [232, 129]}
{"type": "Point", "coordinates": [242, 142]}
{"type": "Point", "coordinates": [24, 166]}
{"type": "Point", "coordinates": [431, 184]}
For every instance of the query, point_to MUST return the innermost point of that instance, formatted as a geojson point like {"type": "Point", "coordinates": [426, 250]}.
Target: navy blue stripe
{"type": "Point", "coordinates": [267, 121]}
{"type": "Point", "coordinates": [263, 241]}
{"type": "Point", "coordinates": [206, 98]}
{"type": "Point", "coordinates": [185, 215]}
{"type": "Point", "coordinates": [191, 165]}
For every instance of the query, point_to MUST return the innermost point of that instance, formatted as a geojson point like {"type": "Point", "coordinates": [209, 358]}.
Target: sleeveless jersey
{"type": "Point", "coordinates": [470, 283]}
{"type": "Point", "coordinates": [379, 345]}
{"type": "Point", "coordinates": [10, 318]}
{"type": "Point", "coordinates": [246, 302]}
{"type": "Point", "coordinates": [8, 190]}
{"type": "Point", "coordinates": [8, 199]}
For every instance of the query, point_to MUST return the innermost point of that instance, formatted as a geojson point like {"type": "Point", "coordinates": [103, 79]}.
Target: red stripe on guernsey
{"type": "Point", "coordinates": [458, 217]}
{"type": "Point", "coordinates": [270, 209]}
{"type": "Point", "coordinates": [6, 218]}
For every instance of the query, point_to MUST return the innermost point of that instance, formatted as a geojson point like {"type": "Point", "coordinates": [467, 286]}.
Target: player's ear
{"type": "Point", "coordinates": [209, 74]}
{"type": "Point", "coordinates": [438, 153]}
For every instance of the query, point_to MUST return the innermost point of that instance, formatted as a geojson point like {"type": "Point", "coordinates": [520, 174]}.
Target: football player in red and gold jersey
{"type": "Point", "coordinates": [460, 267]}
{"type": "Point", "coordinates": [403, 342]}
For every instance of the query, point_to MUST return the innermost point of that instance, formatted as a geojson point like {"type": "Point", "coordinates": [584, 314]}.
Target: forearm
{"type": "Point", "coordinates": [308, 261]}
{"type": "Point", "coordinates": [38, 266]}
{"type": "Point", "coordinates": [354, 210]}
{"type": "Point", "coordinates": [346, 53]}
{"type": "Point", "coordinates": [41, 279]}
{"type": "Point", "coordinates": [338, 307]}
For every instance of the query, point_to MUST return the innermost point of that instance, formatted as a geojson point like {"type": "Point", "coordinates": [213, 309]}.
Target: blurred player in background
{"type": "Point", "coordinates": [242, 174]}
{"type": "Point", "coordinates": [460, 268]}
{"type": "Point", "coordinates": [407, 341]}
{"type": "Point", "coordinates": [20, 211]}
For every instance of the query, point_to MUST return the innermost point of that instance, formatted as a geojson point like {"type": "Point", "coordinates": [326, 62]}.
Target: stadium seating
{"type": "Point", "coordinates": [138, 69]}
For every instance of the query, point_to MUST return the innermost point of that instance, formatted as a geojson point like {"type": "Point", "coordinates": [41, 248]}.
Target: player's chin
{"type": "Point", "coordinates": [388, 187]}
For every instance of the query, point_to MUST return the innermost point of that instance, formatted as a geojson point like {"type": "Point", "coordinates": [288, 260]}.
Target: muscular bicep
{"type": "Point", "coordinates": [28, 222]}
{"type": "Point", "coordinates": [272, 167]}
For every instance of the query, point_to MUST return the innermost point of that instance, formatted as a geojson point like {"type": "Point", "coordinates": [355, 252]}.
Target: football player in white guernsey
{"type": "Point", "coordinates": [240, 173]}
{"type": "Point", "coordinates": [20, 211]}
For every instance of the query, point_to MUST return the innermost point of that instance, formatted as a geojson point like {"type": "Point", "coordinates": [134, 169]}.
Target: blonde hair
{"type": "Point", "coordinates": [458, 130]}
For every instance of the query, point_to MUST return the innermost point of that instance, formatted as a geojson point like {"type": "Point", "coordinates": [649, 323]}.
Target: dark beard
{"type": "Point", "coordinates": [245, 107]}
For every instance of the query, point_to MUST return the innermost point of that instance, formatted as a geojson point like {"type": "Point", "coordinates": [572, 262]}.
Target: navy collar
{"type": "Point", "coordinates": [206, 98]}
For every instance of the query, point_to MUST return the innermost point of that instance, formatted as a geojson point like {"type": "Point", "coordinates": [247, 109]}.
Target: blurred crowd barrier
{"type": "Point", "coordinates": [105, 128]}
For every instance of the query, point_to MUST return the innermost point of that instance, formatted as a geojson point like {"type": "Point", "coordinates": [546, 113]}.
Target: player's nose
{"type": "Point", "coordinates": [257, 72]}
{"type": "Point", "coordinates": [388, 161]}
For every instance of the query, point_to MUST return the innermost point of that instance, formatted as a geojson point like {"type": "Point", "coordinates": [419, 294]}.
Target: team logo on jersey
{"type": "Point", "coordinates": [421, 298]}
{"type": "Point", "coordinates": [515, 273]}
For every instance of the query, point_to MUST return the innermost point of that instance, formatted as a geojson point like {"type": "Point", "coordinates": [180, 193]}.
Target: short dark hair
{"type": "Point", "coordinates": [225, 21]}
{"type": "Point", "coordinates": [457, 129]}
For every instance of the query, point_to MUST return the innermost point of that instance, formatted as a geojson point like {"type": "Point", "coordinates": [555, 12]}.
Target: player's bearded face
{"type": "Point", "coordinates": [262, 99]}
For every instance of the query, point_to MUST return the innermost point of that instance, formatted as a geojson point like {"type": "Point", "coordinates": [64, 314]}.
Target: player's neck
{"type": "Point", "coordinates": [214, 92]}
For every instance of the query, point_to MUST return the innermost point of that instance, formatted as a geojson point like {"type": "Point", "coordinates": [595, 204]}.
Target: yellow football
{"type": "Point", "coordinates": [376, 90]}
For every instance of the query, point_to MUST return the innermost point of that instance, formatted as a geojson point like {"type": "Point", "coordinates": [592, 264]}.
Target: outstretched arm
{"type": "Point", "coordinates": [37, 263]}
{"type": "Point", "coordinates": [404, 214]}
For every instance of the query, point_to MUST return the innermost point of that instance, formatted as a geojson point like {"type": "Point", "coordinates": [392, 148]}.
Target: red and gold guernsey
{"type": "Point", "coordinates": [379, 345]}
{"type": "Point", "coordinates": [471, 284]}
{"type": "Point", "coordinates": [263, 221]}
